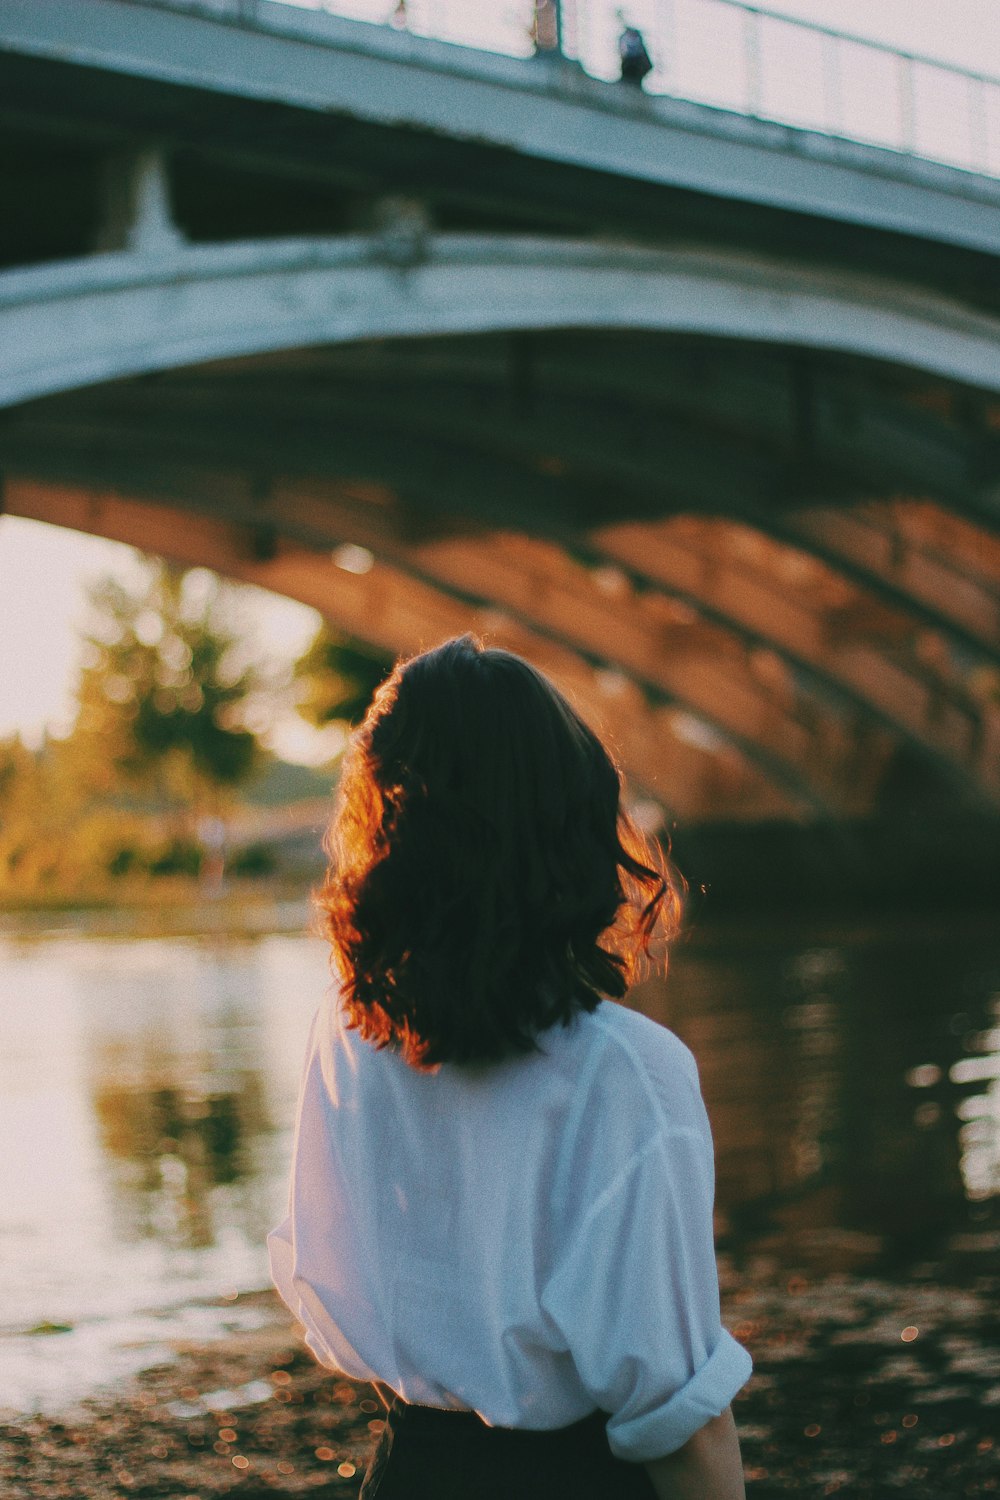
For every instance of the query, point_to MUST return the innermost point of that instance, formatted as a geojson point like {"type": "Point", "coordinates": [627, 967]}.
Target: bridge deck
{"type": "Point", "coordinates": [540, 109]}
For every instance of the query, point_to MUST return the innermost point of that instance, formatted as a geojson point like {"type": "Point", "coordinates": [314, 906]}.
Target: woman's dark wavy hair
{"type": "Point", "coordinates": [485, 881]}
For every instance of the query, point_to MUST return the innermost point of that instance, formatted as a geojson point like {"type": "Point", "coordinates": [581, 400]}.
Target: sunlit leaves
{"type": "Point", "coordinates": [164, 686]}
{"type": "Point", "coordinates": [337, 678]}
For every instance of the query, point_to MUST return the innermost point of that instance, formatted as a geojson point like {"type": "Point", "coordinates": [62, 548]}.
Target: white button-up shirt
{"type": "Point", "coordinates": [530, 1240]}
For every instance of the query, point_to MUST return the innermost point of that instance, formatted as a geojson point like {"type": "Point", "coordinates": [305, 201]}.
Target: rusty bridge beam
{"type": "Point", "coordinates": [812, 616]}
{"type": "Point", "coordinates": [692, 775]}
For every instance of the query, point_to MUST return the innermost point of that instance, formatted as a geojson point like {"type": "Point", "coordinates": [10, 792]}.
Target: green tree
{"type": "Point", "coordinates": [337, 678]}
{"type": "Point", "coordinates": [55, 837]}
{"type": "Point", "coordinates": [164, 690]}
{"type": "Point", "coordinates": [23, 797]}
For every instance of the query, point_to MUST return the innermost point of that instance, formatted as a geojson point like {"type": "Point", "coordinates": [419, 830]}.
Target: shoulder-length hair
{"type": "Point", "coordinates": [485, 881]}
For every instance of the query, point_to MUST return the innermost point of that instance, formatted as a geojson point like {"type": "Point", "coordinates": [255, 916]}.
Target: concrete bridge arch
{"type": "Point", "coordinates": [107, 317]}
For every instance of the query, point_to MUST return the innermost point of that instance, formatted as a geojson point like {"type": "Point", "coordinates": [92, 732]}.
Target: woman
{"type": "Point", "coordinates": [501, 1192]}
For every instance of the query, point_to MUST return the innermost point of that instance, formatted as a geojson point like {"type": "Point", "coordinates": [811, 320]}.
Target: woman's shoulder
{"type": "Point", "coordinates": [646, 1045]}
{"type": "Point", "coordinates": [648, 1063]}
{"type": "Point", "coordinates": [632, 1093]}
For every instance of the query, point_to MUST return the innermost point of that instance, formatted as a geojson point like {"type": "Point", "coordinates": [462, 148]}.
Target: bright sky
{"type": "Point", "coordinates": [44, 574]}
{"type": "Point", "coordinates": [44, 571]}
{"type": "Point", "coordinates": [965, 32]}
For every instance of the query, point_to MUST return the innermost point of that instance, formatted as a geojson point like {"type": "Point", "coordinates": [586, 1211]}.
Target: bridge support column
{"type": "Point", "coordinates": [137, 210]}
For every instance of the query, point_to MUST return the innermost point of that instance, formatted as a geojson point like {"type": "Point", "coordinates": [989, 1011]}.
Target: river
{"type": "Point", "coordinates": [147, 1091]}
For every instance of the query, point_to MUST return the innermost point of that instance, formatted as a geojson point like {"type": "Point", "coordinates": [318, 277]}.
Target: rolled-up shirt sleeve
{"type": "Point", "coordinates": [636, 1298]}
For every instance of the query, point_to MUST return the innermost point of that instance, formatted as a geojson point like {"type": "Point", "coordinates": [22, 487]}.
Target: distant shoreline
{"type": "Point", "coordinates": [241, 913]}
{"type": "Point", "coordinates": [235, 912]}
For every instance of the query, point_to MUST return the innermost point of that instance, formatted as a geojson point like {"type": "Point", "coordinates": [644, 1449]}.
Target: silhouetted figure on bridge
{"type": "Point", "coordinates": [635, 59]}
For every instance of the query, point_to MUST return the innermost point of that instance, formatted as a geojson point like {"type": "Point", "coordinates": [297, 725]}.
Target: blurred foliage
{"type": "Point", "coordinates": [253, 862]}
{"type": "Point", "coordinates": [164, 743]}
{"type": "Point", "coordinates": [337, 678]}
{"type": "Point", "coordinates": [159, 744]}
{"type": "Point", "coordinates": [54, 835]}
{"type": "Point", "coordinates": [164, 689]}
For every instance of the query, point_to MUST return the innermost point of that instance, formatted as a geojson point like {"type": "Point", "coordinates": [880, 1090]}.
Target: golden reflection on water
{"type": "Point", "coordinates": [846, 1108]}
{"type": "Point", "coordinates": [177, 1088]}
{"type": "Point", "coordinates": [168, 1143]}
{"type": "Point", "coordinates": [853, 1087]}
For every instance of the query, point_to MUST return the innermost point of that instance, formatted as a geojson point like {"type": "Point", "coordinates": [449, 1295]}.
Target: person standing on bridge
{"type": "Point", "coordinates": [501, 1196]}
{"type": "Point", "coordinates": [636, 62]}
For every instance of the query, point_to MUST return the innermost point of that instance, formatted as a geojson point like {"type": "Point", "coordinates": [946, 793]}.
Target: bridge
{"type": "Point", "coordinates": [698, 409]}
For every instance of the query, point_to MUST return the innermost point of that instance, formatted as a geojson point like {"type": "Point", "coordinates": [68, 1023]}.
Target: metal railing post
{"type": "Point", "coordinates": [979, 125]}
{"type": "Point", "coordinates": [751, 52]}
{"type": "Point", "coordinates": [907, 104]}
{"type": "Point", "coordinates": [666, 42]}
{"type": "Point", "coordinates": [833, 94]}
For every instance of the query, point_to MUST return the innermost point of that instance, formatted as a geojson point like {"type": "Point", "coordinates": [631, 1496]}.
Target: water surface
{"type": "Point", "coordinates": [147, 1092]}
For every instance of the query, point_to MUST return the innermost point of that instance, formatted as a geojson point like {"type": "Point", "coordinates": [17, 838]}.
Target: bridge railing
{"type": "Point", "coordinates": [734, 54]}
{"type": "Point", "coordinates": [769, 65]}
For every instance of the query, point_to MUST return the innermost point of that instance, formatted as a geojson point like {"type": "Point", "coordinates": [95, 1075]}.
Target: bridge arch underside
{"type": "Point", "coordinates": [770, 574]}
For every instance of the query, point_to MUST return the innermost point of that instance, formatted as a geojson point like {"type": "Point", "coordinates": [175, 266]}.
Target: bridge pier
{"type": "Point", "coordinates": [138, 216]}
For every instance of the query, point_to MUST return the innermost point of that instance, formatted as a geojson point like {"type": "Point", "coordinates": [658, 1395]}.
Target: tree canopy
{"type": "Point", "coordinates": [172, 696]}
{"type": "Point", "coordinates": [165, 687]}
{"type": "Point", "coordinates": [338, 677]}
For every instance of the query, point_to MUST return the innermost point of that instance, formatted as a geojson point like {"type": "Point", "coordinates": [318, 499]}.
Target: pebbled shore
{"type": "Point", "coordinates": [863, 1387]}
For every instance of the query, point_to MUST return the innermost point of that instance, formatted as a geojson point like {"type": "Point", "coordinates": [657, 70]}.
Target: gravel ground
{"type": "Point", "coordinates": [862, 1387]}
{"type": "Point", "coordinates": [870, 1387]}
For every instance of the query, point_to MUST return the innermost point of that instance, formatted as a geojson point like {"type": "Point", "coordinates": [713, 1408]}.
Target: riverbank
{"type": "Point", "coordinates": [170, 909]}
{"type": "Point", "coordinates": [250, 910]}
{"type": "Point", "coordinates": [863, 1386]}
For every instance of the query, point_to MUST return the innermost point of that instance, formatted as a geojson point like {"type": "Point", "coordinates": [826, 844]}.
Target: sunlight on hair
{"type": "Point", "coordinates": [486, 881]}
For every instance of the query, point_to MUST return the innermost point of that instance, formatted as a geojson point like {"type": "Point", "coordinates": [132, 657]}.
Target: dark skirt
{"type": "Point", "coordinates": [427, 1454]}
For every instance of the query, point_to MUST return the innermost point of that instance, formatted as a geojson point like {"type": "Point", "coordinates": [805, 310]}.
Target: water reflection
{"type": "Point", "coordinates": [901, 1160]}
{"type": "Point", "coordinates": [980, 1134]}
{"type": "Point", "coordinates": [175, 1082]}
{"type": "Point", "coordinates": [147, 1094]}
{"type": "Point", "coordinates": [848, 1113]}
{"type": "Point", "coordinates": [168, 1145]}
